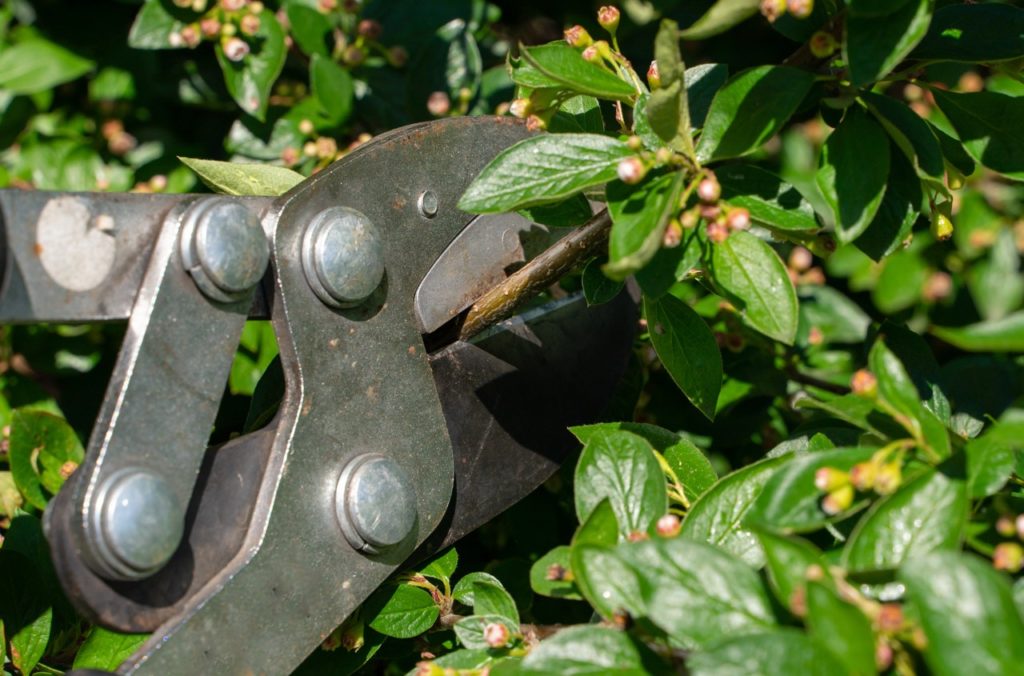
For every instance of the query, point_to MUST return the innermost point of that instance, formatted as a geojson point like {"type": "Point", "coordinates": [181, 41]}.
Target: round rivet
{"type": "Point", "coordinates": [224, 248]}
{"type": "Point", "coordinates": [375, 503]}
{"type": "Point", "coordinates": [428, 203]}
{"type": "Point", "coordinates": [342, 256]}
{"type": "Point", "coordinates": [137, 524]}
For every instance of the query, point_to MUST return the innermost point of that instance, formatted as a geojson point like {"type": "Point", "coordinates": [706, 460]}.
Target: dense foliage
{"type": "Point", "coordinates": [815, 462]}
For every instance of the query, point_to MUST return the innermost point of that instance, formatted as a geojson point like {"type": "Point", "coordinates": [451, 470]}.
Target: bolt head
{"type": "Point", "coordinates": [343, 257]}
{"type": "Point", "coordinates": [428, 203]}
{"type": "Point", "coordinates": [224, 248]}
{"type": "Point", "coordinates": [375, 503]}
{"type": "Point", "coordinates": [138, 524]}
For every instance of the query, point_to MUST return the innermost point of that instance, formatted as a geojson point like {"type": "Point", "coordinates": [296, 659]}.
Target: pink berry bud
{"type": "Point", "coordinates": [306, 127]}
{"type": "Point", "coordinates": [800, 259]}
{"type": "Point", "coordinates": [521, 108]}
{"type": "Point", "coordinates": [863, 474]}
{"type": "Point", "coordinates": [800, 9]}
{"type": "Point", "coordinates": [773, 9]}
{"type": "Point", "coordinates": [738, 219]}
{"type": "Point", "coordinates": [1006, 527]}
{"type": "Point", "coordinates": [326, 6]}
{"type": "Point", "coordinates": [370, 28]}
{"type": "Point", "coordinates": [631, 170]}
{"type": "Point", "coordinates": [634, 142]}
{"type": "Point", "coordinates": [823, 44]}
{"type": "Point", "coordinates": [438, 104]}
{"type": "Point", "coordinates": [592, 54]}
{"type": "Point", "coordinates": [536, 123]}
{"type": "Point", "coordinates": [890, 618]}
{"type": "Point", "coordinates": [1020, 526]}
{"type": "Point", "coordinates": [496, 635]}
{"type": "Point", "coordinates": [608, 17]}
{"type": "Point", "coordinates": [883, 655]}
{"type": "Point", "coordinates": [864, 384]}
{"type": "Point", "coordinates": [673, 234]}
{"type": "Point", "coordinates": [653, 76]}
{"type": "Point", "coordinates": [668, 526]}
{"type": "Point", "coordinates": [937, 287]}
{"type": "Point", "coordinates": [256, 7]}
{"type": "Point", "coordinates": [249, 24]}
{"type": "Point", "coordinates": [210, 28]}
{"type": "Point", "coordinates": [829, 478]}
{"type": "Point", "coordinates": [577, 36]}
{"type": "Point", "coordinates": [191, 36]}
{"type": "Point", "coordinates": [235, 49]}
{"type": "Point", "coordinates": [838, 501]}
{"type": "Point", "coordinates": [717, 232]}
{"type": "Point", "coordinates": [889, 478]}
{"type": "Point", "coordinates": [709, 190]}
{"type": "Point", "coordinates": [232, 5]}
{"type": "Point", "coordinates": [1008, 556]}
{"type": "Point", "coordinates": [689, 219]}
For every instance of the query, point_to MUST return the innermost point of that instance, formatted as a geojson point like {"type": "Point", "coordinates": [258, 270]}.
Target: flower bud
{"type": "Point", "coordinates": [890, 618]}
{"type": "Point", "coordinates": [653, 76]}
{"type": "Point", "coordinates": [798, 601]}
{"type": "Point", "coordinates": [941, 226]}
{"type": "Point", "coordinates": [521, 108]}
{"type": "Point", "coordinates": [370, 29]}
{"type": "Point", "coordinates": [889, 478]}
{"type": "Point", "coordinates": [823, 44]}
{"type": "Point", "coordinates": [717, 232]}
{"type": "Point", "coordinates": [863, 474]}
{"type": "Point", "coordinates": [634, 142]}
{"type": "Point", "coordinates": [191, 36]}
{"type": "Point", "coordinates": [937, 287]}
{"type": "Point", "coordinates": [326, 6]}
{"type": "Point", "coordinates": [637, 536]}
{"type": "Point", "coordinates": [838, 501]}
{"type": "Point", "coordinates": [249, 24]}
{"type": "Point", "coordinates": [309, 149]}
{"type": "Point", "coordinates": [631, 170]}
{"type": "Point", "coordinates": [1020, 526]}
{"type": "Point", "coordinates": [536, 123]}
{"type": "Point", "coordinates": [608, 17]}
{"type": "Point", "coordinates": [800, 9]}
{"type": "Point", "coordinates": [256, 7]}
{"type": "Point", "coordinates": [326, 147]}
{"type": "Point", "coordinates": [67, 469]}
{"type": "Point", "coordinates": [289, 156]}
{"type": "Point", "coordinates": [556, 572]}
{"type": "Point", "coordinates": [773, 9]}
{"type": "Point", "coordinates": [232, 5]}
{"type": "Point", "coordinates": [827, 479]}
{"type": "Point", "coordinates": [1006, 527]}
{"type": "Point", "coordinates": [235, 49]}
{"type": "Point", "coordinates": [1008, 556]}
{"type": "Point", "coordinates": [306, 127]}
{"type": "Point", "coordinates": [227, 30]}
{"type": "Point", "coordinates": [429, 669]}
{"type": "Point", "coordinates": [577, 36]}
{"type": "Point", "coordinates": [689, 219]}
{"type": "Point", "coordinates": [709, 190]}
{"type": "Point", "coordinates": [673, 234]}
{"type": "Point", "coordinates": [592, 54]}
{"type": "Point", "coordinates": [883, 655]}
{"type": "Point", "coordinates": [398, 56]}
{"type": "Point", "coordinates": [157, 184]}
{"type": "Point", "coordinates": [438, 104]}
{"type": "Point", "coordinates": [663, 156]}
{"type": "Point", "coordinates": [210, 27]}
{"type": "Point", "coordinates": [496, 635]}
{"type": "Point", "coordinates": [668, 526]}
{"type": "Point", "coordinates": [800, 259]}
{"type": "Point", "coordinates": [738, 219]}
{"type": "Point", "coordinates": [353, 55]}
{"type": "Point", "coordinates": [864, 384]}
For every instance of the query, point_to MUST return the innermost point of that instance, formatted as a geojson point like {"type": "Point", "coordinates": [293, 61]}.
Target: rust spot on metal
{"type": "Point", "coordinates": [333, 343]}
{"type": "Point", "coordinates": [37, 249]}
{"type": "Point", "coordinates": [371, 393]}
{"type": "Point", "coordinates": [398, 203]}
{"type": "Point", "coordinates": [411, 350]}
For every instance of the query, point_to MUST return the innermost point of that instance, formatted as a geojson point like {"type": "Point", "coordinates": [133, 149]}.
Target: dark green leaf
{"type": "Point", "coordinates": [900, 209]}
{"type": "Point", "coordinates": [787, 560]}
{"type": "Point", "coordinates": [910, 133]}
{"type": "Point", "coordinates": [585, 651]}
{"type": "Point", "coordinates": [874, 7]}
{"type": "Point", "coordinates": [38, 65]}
{"type": "Point", "coordinates": [640, 214]}
{"type": "Point", "coordinates": [900, 282]}
{"type": "Point", "coordinates": [777, 653]}
{"type": "Point", "coordinates": [464, 592]}
{"type": "Point", "coordinates": [540, 575]}
{"type": "Point", "coordinates": [601, 527]}
{"type": "Point", "coordinates": [988, 124]}
{"type": "Point", "coordinates": [717, 517]}
{"type": "Point", "coordinates": [749, 109]}
{"type": "Point", "coordinates": [580, 114]}
{"type": "Point", "coordinates": [852, 172]}
{"type": "Point", "coordinates": [978, 33]}
{"type": "Point", "coordinates": [105, 650]}
{"type": "Point", "coordinates": [606, 581]}
{"type": "Point", "coordinates": [722, 16]}
{"type": "Point", "coordinates": [841, 627]}
{"type": "Point", "coordinates": [954, 152]}
{"type": "Point", "coordinates": [770, 200]}
{"type": "Point", "coordinates": [754, 277]}
{"type": "Point", "coordinates": [41, 445]}
{"type": "Point", "coordinates": [873, 46]}
{"type": "Point", "coordinates": [470, 630]}
{"type": "Point", "coordinates": [250, 80]}
{"type": "Point", "coordinates": [597, 288]}
{"type": "Point", "coordinates": [543, 169]}
{"type": "Point", "coordinates": [566, 67]}
{"type": "Point", "coordinates": [621, 466]}
{"type": "Point", "coordinates": [236, 178]}
{"type": "Point", "coordinates": [490, 598]}
{"type": "Point", "coordinates": [702, 83]}
{"type": "Point", "coordinates": [990, 463]}
{"type": "Point", "coordinates": [791, 503]}
{"type": "Point", "coordinates": [568, 213]}
{"type": "Point", "coordinates": [309, 28]}
{"type": "Point", "coordinates": [24, 612]}
{"type": "Point", "coordinates": [688, 350]}
{"type": "Point", "coordinates": [401, 611]}
{"type": "Point", "coordinates": [1004, 335]}
{"type": "Point", "coordinates": [332, 87]}
{"type": "Point", "coordinates": [967, 613]}
{"type": "Point", "coordinates": [153, 27]}
{"type": "Point", "coordinates": [442, 566]}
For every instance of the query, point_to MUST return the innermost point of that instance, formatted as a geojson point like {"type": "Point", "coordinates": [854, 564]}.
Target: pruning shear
{"type": "Point", "coordinates": [392, 439]}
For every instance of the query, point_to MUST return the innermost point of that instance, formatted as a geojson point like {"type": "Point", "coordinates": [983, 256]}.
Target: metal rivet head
{"type": "Point", "coordinates": [224, 248]}
{"type": "Point", "coordinates": [342, 256]}
{"type": "Point", "coordinates": [428, 203]}
{"type": "Point", "coordinates": [137, 524]}
{"type": "Point", "coordinates": [375, 503]}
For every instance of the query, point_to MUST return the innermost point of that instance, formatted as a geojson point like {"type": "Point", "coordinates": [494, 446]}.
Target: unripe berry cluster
{"type": "Point", "coordinates": [1009, 556]}
{"type": "Point", "coordinates": [232, 22]}
{"type": "Point", "coordinates": [798, 9]}
{"type": "Point", "coordinates": [882, 474]}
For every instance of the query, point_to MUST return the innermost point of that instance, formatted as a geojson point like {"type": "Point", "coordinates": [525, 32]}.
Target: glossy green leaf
{"type": "Point", "coordinates": [991, 461]}
{"type": "Point", "coordinates": [770, 200]}
{"type": "Point", "coordinates": [787, 560]}
{"type": "Point", "coordinates": [909, 132]}
{"type": "Point", "coordinates": [41, 445]}
{"type": "Point", "coordinates": [606, 581]}
{"type": "Point", "coordinates": [852, 172]}
{"type": "Point", "coordinates": [465, 590]}
{"type": "Point", "coordinates": [702, 83]}
{"type": "Point", "coordinates": [749, 109]}
{"type": "Point", "coordinates": [968, 614]}
{"type": "Point", "coordinates": [442, 566]}
{"type": "Point", "coordinates": [565, 66]}
{"type": "Point", "coordinates": [900, 209]}
{"type": "Point", "coordinates": [401, 611]}
{"type": "Point", "coordinates": [541, 574]}
{"type": "Point", "coordinates": [718, 516]}
{"type": "Point", "coordinates": [640, 214]}
{"type": "Point", "coordinates": [250, 80]}
{"type": "Point", "coordinates": [1004, 335]}
{"type": "Point", "coordinates": [470, 630]}
{"type": "Point", "coordinates": [977, 33]}
{"type": "Point", "coordinates": [585, 651]}
{"type": "Point", "coordinates": [153, 27]}
{"type": "Point", "coordinates": [491, 598]}
{"type": "Point", "coordinates": [688, 350]}
{"type": "Point", "coordinates": [755, 279]}
{"type": "Point", "coordinates": [723, 15]}
{"type": "Point", "coordinates": [900, 282]}
{"type": "Point", "coordinates": [236, 178]}
{"type": "Point", "coordinates": [597, 287]}
{"type": "Point", "coordinates": [988, 124]}
{"type": "Point", "coordinates": [839, 319]}
{"type": "Point", "coordinates": [105, 650]}
{"type": "Point", "coordinates": [585, 113]}
{"type": "Point", "coordinates": [24, 612]}
{"type": "Point", "coordinates": [333, 88]}
{"type": "Point", "coordinates": [543, 169]}
{"type": "Point", "coordinates": [309, 28]}
{"type": "Point", "coordinates": [873, 46]}
{"type": "Point", "coordinates": [926, 514]}
{"type": "Point", "coordinates": [601, 527]}
{"type": "Point", "coordinates": [776, 653]}
{"type": "Point", "coordinates": [995, 282]}
{"type": "Point", "coordinates": [38, 65]}
{"type": "Point", "coordinates": [791, 503]}
{"type": "Point", "coordinates": [842, 628]}
{"type": "Point", "coordinates": [621, 466]}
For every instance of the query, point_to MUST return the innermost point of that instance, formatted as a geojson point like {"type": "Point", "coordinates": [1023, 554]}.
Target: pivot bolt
{"type": "Point", "coordinates": [342, 256]}
{"type": "Point", "coordinates": [135, 525]}
{"type": "Point", "coordinates": [375, 503]}
{"type": "Point", "coordinates": [427, 203]}
{"type": "Point", "coordinates": [224, 248]}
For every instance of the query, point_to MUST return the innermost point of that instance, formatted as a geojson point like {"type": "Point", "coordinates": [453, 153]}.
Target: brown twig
{"type": "Point", "coordinates": [537, 275]}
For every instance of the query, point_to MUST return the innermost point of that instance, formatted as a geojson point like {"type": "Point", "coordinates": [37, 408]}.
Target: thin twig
{"type": "Point", "coordinates": [537, 275]}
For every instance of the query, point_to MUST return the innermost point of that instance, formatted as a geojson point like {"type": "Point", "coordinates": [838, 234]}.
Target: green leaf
{"type": "Point", "coordinates": [988, 124]}
{"type": "Point", "coordinates": [754, 278]}
{"type": "Point", "coordinates": [236, 178]}
{"type": "Point", "coordinates": [250, 80]}
{"type": "Point", "coordinates": [309, 28]}
{"type": "Point", "coordinates": [490, 598]}
{"type": "Point", "coordinates": [996, 285]}
{"type": "Point", "coordinates": [601, 527]}
{"type": "Point", "coordinates": [749, 109]}
{"type": "Point", "coordinates": [787, 560]}
{"type": "Point", "coordinates": [465, 590]}
{"type": "Point", "coordinates": [874, 7]}
{"type": "Point", "coordinates": [40, 446]}
{"type": "Point", "coordinates": [770, 200]}
{"type": "Point", "coordinates": [25, 615]}
{"type": "Point", "coordinates": [967, 613]}
{"type": "Point", "coordinates": [597, 288]}
{"type": "Point", "coordinates": [1004, 335]}
{"type": "Point", "coordinates": [38, 65]}
{"type": "Point", "coordinates": [564, 66]}
{"type": "Point", "coordinates": [954, 152]}
{"type": "Point", "coordinates": [621, 466]}
{"type": "Point", "coordinates": [11, 498]}
{"type": "Point", "coordinates": [697, 593]}
{"type": "Point", "coordinates": [777, 653]}
{"type": "Point", "coordinates": [543, 169]}
{"type": "Point", "coordinates": [702, 83]}
{"type": "Point", "coordinates": [568, 213]}
{"type": "Point", "coordinates": [606, 581]}
{"type": "Point", "coordinates": [332, 87]}
{"type": "Point", "coordinates": [722, 16]}
{"type": "Point", "coordinates": [839, 319]}
{"type": "Point", "coordinates": [442, 566]}
{"type": "Point", "coordinates": [873, 46]}
{"type": "Point", "coordinates": [900, 282]}
{"type": "Point", "coordinates": [585, 651]}
{"type": "Point", "coordinates": [990, 463]}
{"type": "Point", "coordinates": [153, 27]}
{"type": "Point", "coordinates": [449, 62]}
{"type": "Point", "coordinates": [982, 33]}
{"type": "Point", "coordinates": [470, 630]}
{"type": "Point", "coordinates": [843, 628]}
{"type": "Point", "coordinates": [105, 650]}
{"type": "Point", "coordinates": [558, 588]}
{"type": "Point", "coordinates": [790, 502]}
{"type": "Point", "coordinates": [401, 611]}
{"type": "Point", "coordinates": [668, 107]}
{"type": "Point", "coordinates": [852, 172]}
{"type": "Point", "coordinates": [900, 209]}
{"type": "Point", "coordinates": [640, 214]}
{"type": "Point", "coordinates": [688, 350]}
{"type": "Point", "coordinates": [717, 517]}
{"type": "Point", "coordinates": [910, 133]}
{"type": "Point", "coordinates": [924, 515]}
